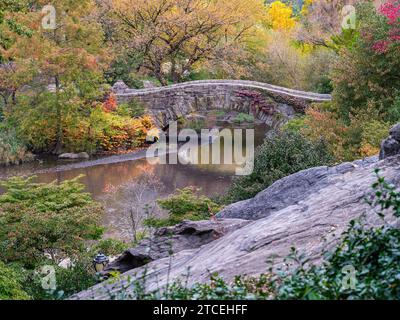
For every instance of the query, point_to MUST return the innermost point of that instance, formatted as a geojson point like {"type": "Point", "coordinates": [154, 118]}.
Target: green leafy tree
{"type": "Point", "coordinates": [276, 158]}
{"type": "Point", "coordinates": [52, 220]}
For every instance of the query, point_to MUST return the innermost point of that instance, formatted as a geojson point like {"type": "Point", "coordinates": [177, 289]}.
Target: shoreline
{"type": "Point", "coordinates": [101, 160]}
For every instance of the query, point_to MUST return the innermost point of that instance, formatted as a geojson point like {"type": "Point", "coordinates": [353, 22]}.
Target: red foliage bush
{"type": "Point", "coordinates": [110, 104]}
{"type": "Point", "coordinates": [391, 10]}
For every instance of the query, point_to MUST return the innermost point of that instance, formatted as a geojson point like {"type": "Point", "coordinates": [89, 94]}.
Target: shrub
{"type": "Point", "coordinates": [361, 138]}
{"type": "Point", "coordinates": [133, 108]}
{"type": "Point", "coordinates": [110, 104]}
{"type": "Point", "coordinates": [43, 224]}
{"type": "Point", "coordinates": [218, 113]}
{"type": "Point", "coordinates": [241, 288]}
{"type": "Point", "coordinates": [243, 117]}
{"type": "Point", "coordinates": [12, 149]}
{"type": "Point", "coordinates": [394, 110]}
{"type": "Point", "coordinates": [72, 279]}
{"type": "Point", "coordinates": [373, 132]}
{"type": "Point", "coordinates": [97, 127]}
{"type": "Point", "coordinates": [110, 247]}
{"type": "Point", "coordinates": [11, 285]}
{"type": "Point", "coordinates": [185, 204]}
{"type": "Point", "coordinates": [324, 125]}
{"type": "Point", "coordinates": [46, 220]}
{"type": "Point", "coordinates": [295, 125]}
{"type": "Point", "coordinates": [76, 278]}
{"type": "Point", "coordinates": [287, 153]}
{"type": "Point", "coordinates": [108, 132]}
{"type": "Point", "coordinates": [194, 124]}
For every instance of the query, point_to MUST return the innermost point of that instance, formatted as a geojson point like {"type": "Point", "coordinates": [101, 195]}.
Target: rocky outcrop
{"type": "Point", "coordinates": [311, 222]}
{"type": "Point", "coordinates": [391, 145]}
{"type": "Point", "coordinates": [165, 241]}
{"type": "Point", "coordinates": [308, 210]}
{"type": "Point", "coordinates": [289, 191]}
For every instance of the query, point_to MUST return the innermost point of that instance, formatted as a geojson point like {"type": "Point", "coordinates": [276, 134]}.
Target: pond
{"type": "Point", "coordinates": [126, 183]}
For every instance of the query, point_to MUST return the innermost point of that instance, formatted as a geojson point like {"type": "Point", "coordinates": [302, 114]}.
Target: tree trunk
{"type": "Point", "coordinates": [161, 78]}
{"type": "Point", "coordinates": [59, 134]}
{"type": "Point", "coordinates": [14, 97]}
{"type": "Point", "coordinates": [176, 77]}
{"type": "Point", "coordinates": [175, 74]}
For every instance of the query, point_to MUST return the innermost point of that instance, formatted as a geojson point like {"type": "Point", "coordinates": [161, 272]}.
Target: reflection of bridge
{"type": "Point", "coordinates": [169, 103]}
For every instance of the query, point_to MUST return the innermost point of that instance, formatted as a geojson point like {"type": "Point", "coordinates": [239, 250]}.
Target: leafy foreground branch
{"type": "Point", "coordinates": [49, 225]}
{"type": "Point", "coordinates": [373, 253]}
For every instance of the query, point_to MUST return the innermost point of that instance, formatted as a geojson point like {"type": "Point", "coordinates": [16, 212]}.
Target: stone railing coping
{"type": "Point", "coordinates": [310, 96]}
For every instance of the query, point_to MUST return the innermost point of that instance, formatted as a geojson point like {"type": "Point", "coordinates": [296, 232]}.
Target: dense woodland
{"type": "Point", "coordinates": [55, 88]}
{"type": "Point", "coordinates": [55, 84]}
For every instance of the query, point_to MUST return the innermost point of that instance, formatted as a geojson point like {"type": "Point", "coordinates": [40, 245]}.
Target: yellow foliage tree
{"type": "Point", "coordinates": [280, 16]}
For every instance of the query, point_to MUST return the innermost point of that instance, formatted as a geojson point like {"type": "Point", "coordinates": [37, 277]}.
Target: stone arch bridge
{"type": "Point", "coordinates": [262, 100]}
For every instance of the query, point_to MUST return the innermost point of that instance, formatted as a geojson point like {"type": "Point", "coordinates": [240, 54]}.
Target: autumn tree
{"type": "Point", "coordinates": [73, 59]}
{"type": "Point", "coordinates": [10, 26]}
{"type": "Point", "coordinates": [69, 59]}
{"type": "Point", "coordinates": [172, 36]}
{"type": "Point", "coordinates": [323, 20]}
{"type": "Point", "coordinates": [13, 75]}
{"type": "Point", "coordinates": [280, 16]}
{"type": "Point", "coordinates": [367, 73]}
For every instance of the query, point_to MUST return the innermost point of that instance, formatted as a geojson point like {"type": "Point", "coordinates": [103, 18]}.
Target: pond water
{"type": "Point", "coordinates": [126, 183]}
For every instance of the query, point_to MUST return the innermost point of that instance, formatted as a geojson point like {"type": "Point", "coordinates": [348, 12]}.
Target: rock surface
{"type": "Point", "coordinates": [391, 145]}
{"type": "Point", "coordinates": [186, 235]}
{"type": "Point", "coordinates": [308, 210]}
{"type": "Point", "coordinates": [289, 191]}
{"type": "Point", "coordinates": [119, 87]}
{"type": "Point", "coordinates": [149, 84]}
{"type": "Point", "coordinates": [73, 156]}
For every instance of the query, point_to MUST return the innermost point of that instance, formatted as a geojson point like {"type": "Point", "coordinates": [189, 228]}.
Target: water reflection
{"type": "Point", "coordinates": [107, 182]}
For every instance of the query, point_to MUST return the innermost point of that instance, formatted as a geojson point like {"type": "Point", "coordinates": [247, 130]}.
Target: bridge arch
{"type": "Point", "coordinates": [261, 99]}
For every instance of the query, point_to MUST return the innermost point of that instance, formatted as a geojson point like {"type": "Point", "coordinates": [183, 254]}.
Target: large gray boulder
{"type": "Point", "coordinates": [391, 145]}
{"type": "Point", "coordinates": [169, 240]}
{"type": "Point", "coordinates": [119, 87]}
{"type": "Point", "coordinates": [289, 191]}
{"type": "Point", "coordinates": [311, 223]}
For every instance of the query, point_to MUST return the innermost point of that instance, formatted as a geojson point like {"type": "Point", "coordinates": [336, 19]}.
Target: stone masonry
{"type": "Point", "coordinates": [171, 102]}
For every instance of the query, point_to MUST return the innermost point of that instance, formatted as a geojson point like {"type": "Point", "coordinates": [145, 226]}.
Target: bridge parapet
{"type": "Point", "coordinates": [170, 102]}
